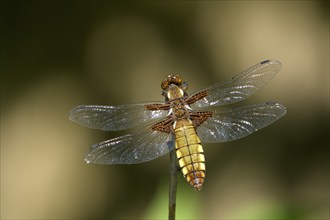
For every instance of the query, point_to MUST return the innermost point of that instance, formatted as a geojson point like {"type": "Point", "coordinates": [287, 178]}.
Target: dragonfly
{"type": "Point", "coordinates": [182, 122]}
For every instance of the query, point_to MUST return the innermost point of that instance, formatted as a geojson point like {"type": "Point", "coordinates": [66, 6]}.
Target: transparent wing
{"type": "Point", "coordinates": [114, 118]}
{"type": "Point", "coordinates": [240, 87]}
{"type": "Point", "coordinates": [132, 148]}
{"type": "Point", "coordinates": [240, 122]}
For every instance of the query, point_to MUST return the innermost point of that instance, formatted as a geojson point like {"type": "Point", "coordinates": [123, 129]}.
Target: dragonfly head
{"type": "Point", "coordinates": [173, 84]}
{"type": "Point", "coordinates": [174, 79]}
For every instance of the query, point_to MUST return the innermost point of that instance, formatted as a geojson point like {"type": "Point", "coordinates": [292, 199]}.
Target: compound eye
{"type": "Point", "coordinates": [164, 84]}
{"type": "Point", "coordinates": [177, 80]}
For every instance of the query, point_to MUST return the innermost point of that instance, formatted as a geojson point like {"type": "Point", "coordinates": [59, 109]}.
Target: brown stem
{"type": "Point", "coordinates": [173, 185]}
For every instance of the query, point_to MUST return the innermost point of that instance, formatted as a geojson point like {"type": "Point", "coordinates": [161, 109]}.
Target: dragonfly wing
{"type": "Point", "coordinates": [114, 118]}
{"type": "Point", "coordinates": [240, 122]}
{"type": "Point", "coordinates": [240, 87]}
{"type": "Point", "coordinates": [142, 146]}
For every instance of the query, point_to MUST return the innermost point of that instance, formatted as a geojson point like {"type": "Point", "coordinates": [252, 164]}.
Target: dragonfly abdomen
{"type": "Point", "coordinates": [189, 152]}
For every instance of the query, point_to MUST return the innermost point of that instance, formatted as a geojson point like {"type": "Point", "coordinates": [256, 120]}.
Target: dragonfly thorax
{"type": "Point", "coordinates": [179, 109]}
{"type": "Point", "coordinates": [174, 92]}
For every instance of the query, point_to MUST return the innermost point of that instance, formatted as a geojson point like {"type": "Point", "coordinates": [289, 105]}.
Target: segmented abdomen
{"type": "Point", "coordinates": [189, 152]}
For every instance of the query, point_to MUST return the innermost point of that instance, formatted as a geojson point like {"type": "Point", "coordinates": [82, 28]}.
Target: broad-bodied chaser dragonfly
{"type": "Point", "coordinates": [182, 122]}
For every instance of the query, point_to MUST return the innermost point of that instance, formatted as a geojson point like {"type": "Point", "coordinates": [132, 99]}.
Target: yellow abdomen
{"type": "Point", "coordinates": [189, 152]}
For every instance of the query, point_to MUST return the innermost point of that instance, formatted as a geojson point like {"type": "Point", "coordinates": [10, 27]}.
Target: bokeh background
{"type": "Point", "coordinates": [56, 55]}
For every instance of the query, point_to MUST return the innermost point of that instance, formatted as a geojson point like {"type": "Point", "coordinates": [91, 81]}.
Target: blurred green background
{"type": "Point", "coordinates": [56, 55]}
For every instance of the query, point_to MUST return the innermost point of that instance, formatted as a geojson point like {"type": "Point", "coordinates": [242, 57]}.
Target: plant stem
{"type": "Point", "coordinates": [173, 185]}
